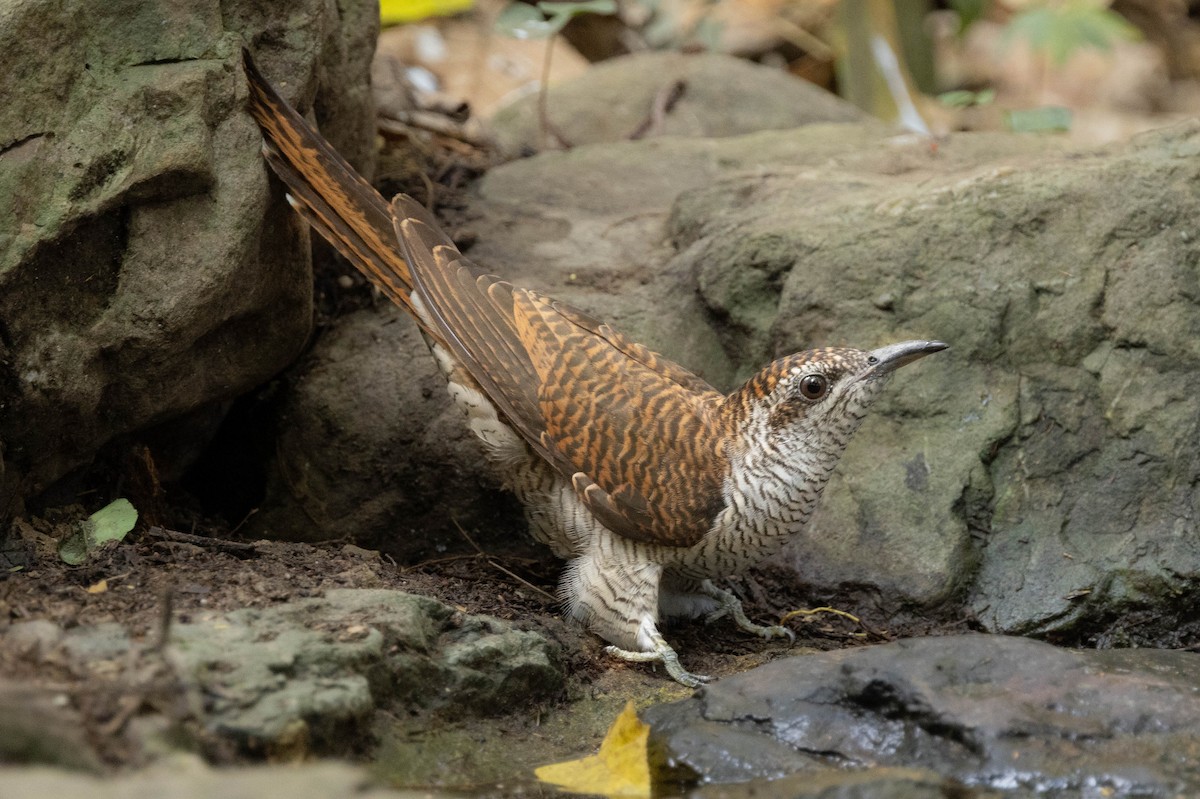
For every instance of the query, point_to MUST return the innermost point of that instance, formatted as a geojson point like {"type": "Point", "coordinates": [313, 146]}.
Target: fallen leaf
{"type": "Point", "coordinates": [111, 523]}
{"type": "Point", "coordinates": [621, 767]}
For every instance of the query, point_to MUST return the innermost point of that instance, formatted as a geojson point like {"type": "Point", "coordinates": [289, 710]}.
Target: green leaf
{"type": "Point", "coordinates": [1039, 120]}
{"type": "Point", "coordinates": [562, 13]}
{"type": "Point", "coordinates": [522, 21]}
{"type": "Point", "coordinates": [576, 9]}
{"type": "Point", "coordinates": [1035, 25]}
{"type": "Point", "coordinates": [111, 523]}
{"type": "Point", "coordinates": [1058, 32]}
{"type": "Point", "coordinates": [964, 98]}
{"type": "Point", "coordinates": [960, 98]}
{"type": "Point", "coordinates": [73, 551]}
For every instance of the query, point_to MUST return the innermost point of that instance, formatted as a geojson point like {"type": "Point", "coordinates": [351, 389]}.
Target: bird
{"type": "Point", "coordinates": [646, 479]}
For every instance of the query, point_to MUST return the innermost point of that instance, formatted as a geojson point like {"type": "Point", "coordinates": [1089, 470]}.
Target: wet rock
{"type": "Point", "coordinates": [719, 96]}
{"type": "Point", "coordinates": [146, 270]}
{"type": "Point", "coordinates": [1005, 714]}
{"type": "Point", "coordinates": [876, 783]}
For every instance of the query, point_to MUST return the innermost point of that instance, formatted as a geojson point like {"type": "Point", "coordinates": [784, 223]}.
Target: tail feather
{"type": "Point", "coordinates": [327, 191]}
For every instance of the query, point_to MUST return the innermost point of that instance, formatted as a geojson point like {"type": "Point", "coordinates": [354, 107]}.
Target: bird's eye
{"type": "Point", "coordinates": [813, 387]}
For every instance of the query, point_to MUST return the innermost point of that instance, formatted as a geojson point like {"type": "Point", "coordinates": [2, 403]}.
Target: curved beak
{"type": "Point", "coordinates": [886, 360]}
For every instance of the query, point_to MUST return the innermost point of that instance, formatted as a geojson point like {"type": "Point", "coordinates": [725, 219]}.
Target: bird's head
{"type": "Point", "coordinates": [823, 393]}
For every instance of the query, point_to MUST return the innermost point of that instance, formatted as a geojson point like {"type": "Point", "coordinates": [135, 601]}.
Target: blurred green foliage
{"type": "Point", "coordinates": [1058, 30]}
{"type": "Point", "coordinates": [523, 21]}
{"type": "Point", "coordinates": [1047, 119]}
{"type": "Point", "coordinates": [964, 98]}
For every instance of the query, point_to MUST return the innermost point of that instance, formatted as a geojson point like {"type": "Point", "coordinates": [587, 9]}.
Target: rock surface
{"type": "Point", "coordinates": [998, 713]}
{"type": "Point", "coordinates": [1025, 472]}
{"type": "Point", "coordinates": [308, 675]}
{"type": "Point", "coordinates": [369, 444]}
{"type": "Point", "coordinates": [185, 779]}
{"type": "Point", "coordinates": [720, 96]}
{"type": "Point", "coordinates": [146, 270]}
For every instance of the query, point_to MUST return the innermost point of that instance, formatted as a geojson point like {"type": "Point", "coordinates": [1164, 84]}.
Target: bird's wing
{"type": "Point", "coordinates": [632, 431]}
{"type": "Point", "coordinates": [644, 445]}
{"type": "Point", "coordinates": [656, 363]}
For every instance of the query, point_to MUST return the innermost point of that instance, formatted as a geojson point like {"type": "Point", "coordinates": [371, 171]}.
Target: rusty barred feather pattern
{"type": "Point", "coordinates": [346, 210]}
{"type": "Point", "coordinates": [642, 441]}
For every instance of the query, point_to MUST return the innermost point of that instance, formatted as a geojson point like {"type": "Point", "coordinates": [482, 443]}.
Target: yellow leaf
{"type": "Point", "coordinates": [621, 768]}
{"type": "Point", "coordinates": [98, 588]}
{"type": "Point", "coordinates": [394, 12]}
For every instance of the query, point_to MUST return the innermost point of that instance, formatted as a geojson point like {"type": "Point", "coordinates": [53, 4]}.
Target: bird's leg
{"type": "Point", "coordinates": [662, 652]}
{"type": "Point", "coordinates": [618, 600]}
{"type": "Point", "coordinates": [732, 606]}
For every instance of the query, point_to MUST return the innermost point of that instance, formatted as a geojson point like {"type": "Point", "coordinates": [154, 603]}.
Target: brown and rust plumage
{"type": "Point", "coordinates": [641, 473]}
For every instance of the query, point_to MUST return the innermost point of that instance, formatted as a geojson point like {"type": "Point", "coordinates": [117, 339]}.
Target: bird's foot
{"type": "Point", "coordinates": [666, 655]}
{"type": "Point", "coordinates": [771, 631]}
{"type": "Point", "coordinates": [732, 606]}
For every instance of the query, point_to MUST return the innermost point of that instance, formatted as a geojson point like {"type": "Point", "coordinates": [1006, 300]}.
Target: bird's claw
{"type": "Point", "coordinates": [732, 606]}
{"type": "Point", "coordinates": [666, 655]}
{"type": "Point", "coordinates": [776, 631]}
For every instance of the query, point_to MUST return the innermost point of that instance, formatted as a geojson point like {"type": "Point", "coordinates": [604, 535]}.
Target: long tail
{"type": "Point", "coordinates": [331, 196]}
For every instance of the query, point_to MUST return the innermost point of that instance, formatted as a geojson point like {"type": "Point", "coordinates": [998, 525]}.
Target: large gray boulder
{"type": "Point", "coordinates": [1040, 473]}
{"type": "Point", "coordinates": [718, 95]}
{"type": "Point", "coordinates": [1043, 470]}
{"type": "Point", "coordinates": [146, 271]}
